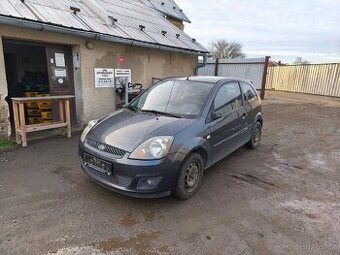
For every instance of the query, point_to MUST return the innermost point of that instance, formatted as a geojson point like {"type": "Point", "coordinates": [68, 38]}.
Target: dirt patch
{"type": "Point", "coordinates": [140, 244]}
{"type": "Point", "coordinates": [282, 198]}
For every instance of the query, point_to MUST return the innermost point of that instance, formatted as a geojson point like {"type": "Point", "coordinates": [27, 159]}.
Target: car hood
{"type": "Point", "coordinates": [127, 129]}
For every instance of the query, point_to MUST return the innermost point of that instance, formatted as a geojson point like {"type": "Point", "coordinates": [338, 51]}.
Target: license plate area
{"type": "Point", "coordinates": [98, 164]}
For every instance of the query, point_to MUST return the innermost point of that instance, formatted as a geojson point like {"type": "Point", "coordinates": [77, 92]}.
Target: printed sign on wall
{"type": "Point", "coordinates": [60, 72]}
{"type": "Point", "coordinates": [59, 59]}
{"type": "Point", "coordinates": [104, 78]}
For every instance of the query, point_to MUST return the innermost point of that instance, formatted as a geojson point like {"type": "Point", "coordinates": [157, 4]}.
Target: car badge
{"type": "Point", "coordinates": [101, 147]}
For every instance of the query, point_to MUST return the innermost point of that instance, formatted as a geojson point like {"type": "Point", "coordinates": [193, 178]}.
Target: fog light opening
{"type": "Point", "coordinates": [148, 183]}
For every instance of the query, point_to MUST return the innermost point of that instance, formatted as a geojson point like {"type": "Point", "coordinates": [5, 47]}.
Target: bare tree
{"type": "Point", "coordinates": [300, 61]}
{"type": "Point", "coordinates": [223, 49]}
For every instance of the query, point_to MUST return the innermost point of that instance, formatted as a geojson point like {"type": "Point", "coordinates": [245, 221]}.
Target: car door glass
{"type": "Point", "coordinates": [228, 98]}
{"type": "Point", "coordinates": [249, 92]}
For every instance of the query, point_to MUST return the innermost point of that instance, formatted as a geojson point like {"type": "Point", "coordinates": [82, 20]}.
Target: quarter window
{"type": "Point", "coordinates": [228, 98]}
{"type": "Point", "coordinates": [249, 92]}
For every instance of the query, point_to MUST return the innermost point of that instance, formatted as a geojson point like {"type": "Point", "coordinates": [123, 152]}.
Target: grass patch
{"type": "Point", "coordinates": [5, 143]}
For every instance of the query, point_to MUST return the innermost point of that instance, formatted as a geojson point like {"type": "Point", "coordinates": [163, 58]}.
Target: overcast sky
{"type": "Point", "coordinates": [283, 29]}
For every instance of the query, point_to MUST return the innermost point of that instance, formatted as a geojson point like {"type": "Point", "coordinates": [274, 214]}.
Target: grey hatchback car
{"type": "Point", "coordinates": [161, 143]}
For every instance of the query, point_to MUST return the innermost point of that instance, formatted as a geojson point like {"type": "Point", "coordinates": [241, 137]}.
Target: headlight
{"type": "Point", "coordinates": [154, 148]}
{"type": "Point", "coordinates": [87, 129]}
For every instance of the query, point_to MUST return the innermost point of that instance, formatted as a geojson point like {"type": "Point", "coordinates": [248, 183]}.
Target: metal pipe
{"type": "Point", "coordinates": [200, 65]}
{"type": "Point", "coordinates": [13, 21]}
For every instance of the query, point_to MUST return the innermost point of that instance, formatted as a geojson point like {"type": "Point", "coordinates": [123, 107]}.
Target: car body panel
{"type": "Point", "coordinates": [126, 129]}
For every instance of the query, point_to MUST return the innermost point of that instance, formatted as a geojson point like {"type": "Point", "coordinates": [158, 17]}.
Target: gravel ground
{"type": "Point", "coordinates": [282, 198]}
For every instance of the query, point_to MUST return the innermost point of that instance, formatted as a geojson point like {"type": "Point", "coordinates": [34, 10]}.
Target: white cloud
{"type": "Point", "coordinates": [290, 28]}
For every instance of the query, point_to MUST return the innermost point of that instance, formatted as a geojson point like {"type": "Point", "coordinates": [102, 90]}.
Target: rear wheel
{"type": "Point", "coordinates": [255, 136]}
{"type": "Point", "coordinates": [190, 177]}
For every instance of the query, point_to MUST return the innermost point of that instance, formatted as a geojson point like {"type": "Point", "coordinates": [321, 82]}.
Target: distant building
{"type": "Point", "coordinates": [54, 47]}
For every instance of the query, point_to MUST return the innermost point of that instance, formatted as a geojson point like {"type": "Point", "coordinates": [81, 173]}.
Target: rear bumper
{"type": "Point", "coordinates": [127, 174]}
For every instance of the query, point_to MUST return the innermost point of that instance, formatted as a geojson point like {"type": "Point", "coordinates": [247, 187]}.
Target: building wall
{"type": "Point", "coordinates": [92, 102]}
{"type": "Point", "coordinates": [176, 22]}
{"type": "Point", "coordinates": [4, 112]}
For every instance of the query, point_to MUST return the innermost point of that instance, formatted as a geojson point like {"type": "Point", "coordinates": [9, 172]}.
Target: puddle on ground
{"type": "Point", "coordinates": [128, 220]}
{"type": "Point", "coordinates": [149, 215]}
{"type": "Point", "coordinates": [141, 244]}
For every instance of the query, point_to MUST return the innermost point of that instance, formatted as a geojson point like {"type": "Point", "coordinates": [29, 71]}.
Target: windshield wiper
{"type": "Point", "coordinates": [162, 113]}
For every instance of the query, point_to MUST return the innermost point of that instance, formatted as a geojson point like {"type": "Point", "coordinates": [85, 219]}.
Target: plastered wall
{"type": "Point", "coordinates": [4, 113]}
{"type": "Point", "coordinates": [93, 102]}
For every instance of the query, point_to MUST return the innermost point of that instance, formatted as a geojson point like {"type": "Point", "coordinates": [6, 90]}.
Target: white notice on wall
{"type": "Point", "coordinates": [104, 77]}
{"type": "Point", "coordinates": [59, 59]}
{"type": "Point", "coordinates": [123, 72]}
{"type": "Point", "coordinates": [60, 72]}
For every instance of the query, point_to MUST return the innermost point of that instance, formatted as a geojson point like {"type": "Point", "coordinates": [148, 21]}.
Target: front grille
{"type": "Point", "coordinates": [106, 148]}
{"type": "Point", "coordinates": [122, 181]}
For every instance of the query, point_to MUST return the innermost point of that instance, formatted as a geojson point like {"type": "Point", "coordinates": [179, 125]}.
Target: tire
{"type": "Point", "coordinates": [190, 177]}
{"type": "Point", "coordinates": [255, 136]}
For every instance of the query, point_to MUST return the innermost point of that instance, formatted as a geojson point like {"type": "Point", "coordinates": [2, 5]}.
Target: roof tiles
{"type": "Point", "coordinates": [130, 15]}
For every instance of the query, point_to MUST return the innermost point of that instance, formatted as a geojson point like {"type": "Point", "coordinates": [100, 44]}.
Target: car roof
{"type": "Point", "coordinates": [213, 79]}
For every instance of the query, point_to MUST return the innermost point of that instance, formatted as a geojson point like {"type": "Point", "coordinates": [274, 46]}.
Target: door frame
{"type": "Point", "coordinates": [45, 45]}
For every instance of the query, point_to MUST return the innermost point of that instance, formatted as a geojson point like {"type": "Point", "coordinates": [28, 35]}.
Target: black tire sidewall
{"type": "Point", "coordinates": [257, 126]}
{"type": "Point", "coordinates": [180, 190]}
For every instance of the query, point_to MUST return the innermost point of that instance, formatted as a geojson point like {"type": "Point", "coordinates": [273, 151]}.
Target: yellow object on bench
{"type": "Point", "coordinates": [31, 94]}
{"type": "Point", "coordinates": [46, 115]}
{"type": "Point", "coordinates": [45, 105]}
{"type": "Point", "coordinates": [34, 112]}
{"type": "Point", "coordinates": [34, 120]}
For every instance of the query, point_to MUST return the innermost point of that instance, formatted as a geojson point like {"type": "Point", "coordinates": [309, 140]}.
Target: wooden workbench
{"type": "Point", "coordinates": [21, 129]}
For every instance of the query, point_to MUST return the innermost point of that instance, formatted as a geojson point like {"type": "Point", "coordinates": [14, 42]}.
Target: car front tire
{"type": "Point", "coordinates": [190, 177]}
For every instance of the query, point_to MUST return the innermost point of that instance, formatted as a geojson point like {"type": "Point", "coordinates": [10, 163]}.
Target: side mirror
{"type": "Point", "coordinates": [215, 115]}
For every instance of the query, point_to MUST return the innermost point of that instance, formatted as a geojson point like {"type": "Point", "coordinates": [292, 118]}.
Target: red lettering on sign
{"type": "Point", "coordinates": [120, 59]}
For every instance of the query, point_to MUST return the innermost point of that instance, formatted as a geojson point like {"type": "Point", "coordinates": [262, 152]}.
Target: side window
{"type": "Point", "coordinates": [228, 98]}
{"type": "Point", "coordinates": [249, 92]}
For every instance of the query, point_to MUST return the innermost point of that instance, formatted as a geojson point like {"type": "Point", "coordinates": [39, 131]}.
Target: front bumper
{"type": "Point", "coordinates": [127, 174]}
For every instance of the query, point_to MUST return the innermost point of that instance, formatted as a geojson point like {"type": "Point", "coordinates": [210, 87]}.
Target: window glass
{"type": "Point", "coordinates": [249, 92]}
{"type": "Point", "coordinates": [179, 97]}
{"type": "Point", "coordinates": [228, 98]}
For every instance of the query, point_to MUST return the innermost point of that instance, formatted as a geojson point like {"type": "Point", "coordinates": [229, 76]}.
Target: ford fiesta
{"type": "Point", "coordinates": [162, 142]}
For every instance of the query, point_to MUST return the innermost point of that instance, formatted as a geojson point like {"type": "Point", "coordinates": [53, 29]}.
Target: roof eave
{"type": "Point", "coordinates": [42, 26]}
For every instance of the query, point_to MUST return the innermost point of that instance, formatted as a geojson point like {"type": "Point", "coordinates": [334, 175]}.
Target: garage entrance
{"type": "Point", "coordinates": [38, 70]}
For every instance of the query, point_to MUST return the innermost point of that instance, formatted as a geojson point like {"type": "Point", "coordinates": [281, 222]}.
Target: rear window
{"type": "Point", "coordinates": [249, 92]}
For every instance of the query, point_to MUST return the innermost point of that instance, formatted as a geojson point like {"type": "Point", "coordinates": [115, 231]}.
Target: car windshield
{"type": "Point", "coordinates": [177, 98]}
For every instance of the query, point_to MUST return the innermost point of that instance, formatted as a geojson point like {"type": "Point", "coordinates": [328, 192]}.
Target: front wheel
{"type": "Point", "coordinates": [190, 177]}
{"type": "Point", "coordinates": [255, 136]}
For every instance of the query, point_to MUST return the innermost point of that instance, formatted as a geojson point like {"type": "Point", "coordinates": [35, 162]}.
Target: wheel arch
{"type": "Point", "coordinates": [201, 151]}
{"type": "Point", "coordinates": [259, 118]}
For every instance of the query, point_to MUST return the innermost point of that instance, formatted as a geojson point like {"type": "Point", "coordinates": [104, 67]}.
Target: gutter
{"type": "Point", "coordinates": [38, 25]}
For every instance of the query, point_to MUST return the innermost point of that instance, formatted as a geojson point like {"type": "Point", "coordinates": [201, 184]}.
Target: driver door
{"type": "Point", "coordinates": [228, 123]}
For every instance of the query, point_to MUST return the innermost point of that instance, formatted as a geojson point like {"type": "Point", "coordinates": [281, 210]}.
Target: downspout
{"type": "Point", "coordinates": [200, 65]}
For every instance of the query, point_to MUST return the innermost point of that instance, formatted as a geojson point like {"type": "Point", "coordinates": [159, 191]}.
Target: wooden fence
{"type": "Point", "coordinates": [321, 79]}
